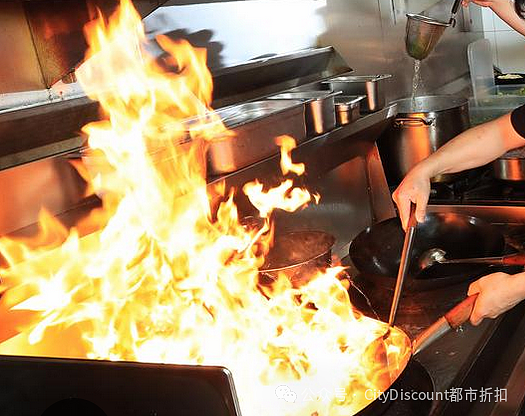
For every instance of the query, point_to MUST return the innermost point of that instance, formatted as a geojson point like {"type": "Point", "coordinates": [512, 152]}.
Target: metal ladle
{"type": "Point", "coordinates": [438, 256]}
{"type": "Point", "coordinates": [423, 32]}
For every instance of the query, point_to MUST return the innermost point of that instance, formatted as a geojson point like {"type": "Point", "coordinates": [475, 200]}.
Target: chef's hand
{"type": "Point", "coordinates": [415, 188]}
{"type": "Point", "coordinates": [497, 293]}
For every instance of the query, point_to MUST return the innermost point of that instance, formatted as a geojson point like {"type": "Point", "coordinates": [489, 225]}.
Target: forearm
{"type": "Point", "coordinates": [474, 147]}
{"type": "Point", "coordinates": [505, 10]}
{"type": "Point", "coordinates": [519, 285]}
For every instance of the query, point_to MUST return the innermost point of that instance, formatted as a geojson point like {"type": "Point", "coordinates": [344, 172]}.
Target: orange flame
{"type": "Point", "coordinates": [287, 144]}
{"type": "Point", "coordinates": [172, 276]}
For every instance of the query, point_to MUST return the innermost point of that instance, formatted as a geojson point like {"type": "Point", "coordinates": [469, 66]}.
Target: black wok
{"type": "Point", "coordinates": [377, 250]}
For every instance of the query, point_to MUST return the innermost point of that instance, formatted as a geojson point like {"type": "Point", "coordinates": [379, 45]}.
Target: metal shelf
{"type": "Point", "coordinates": [309, 149]}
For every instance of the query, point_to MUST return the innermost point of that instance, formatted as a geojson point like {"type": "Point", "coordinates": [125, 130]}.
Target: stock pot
{"type": "Point", "coordinates": [510, 166]}
{"type": "Point", "coordinates": [421, 126]}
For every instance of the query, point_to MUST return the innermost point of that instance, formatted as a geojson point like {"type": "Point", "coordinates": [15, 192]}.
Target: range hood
{"type": "Point", "coordinates": [45, 38]}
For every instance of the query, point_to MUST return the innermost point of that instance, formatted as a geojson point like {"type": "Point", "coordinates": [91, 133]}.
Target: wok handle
{"type": "Point", "coordinates": [460, 313]}
{"type": "Point", "coordinates": [517, 259]}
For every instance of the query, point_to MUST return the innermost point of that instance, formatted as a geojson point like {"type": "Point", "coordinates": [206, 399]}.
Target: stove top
{"type": "Point", "coordinates": [479, 187]}
{"type": "Point", "coordinates": [477, 360]}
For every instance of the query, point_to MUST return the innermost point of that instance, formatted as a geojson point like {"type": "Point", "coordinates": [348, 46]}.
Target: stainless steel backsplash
{"type": "Point", "coordinates": [370, 37]}
{"type": "Point", "coordinates": [368, 33]}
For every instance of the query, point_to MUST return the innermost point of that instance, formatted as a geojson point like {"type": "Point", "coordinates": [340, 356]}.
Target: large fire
{"type": "Point", "coordinates": [171, 277]}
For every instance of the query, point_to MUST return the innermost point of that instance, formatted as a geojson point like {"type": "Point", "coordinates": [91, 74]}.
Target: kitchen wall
{"type": "Point", "coordinates": [368, 34]}
{"type": "Point", "coordinates": [508, 46]}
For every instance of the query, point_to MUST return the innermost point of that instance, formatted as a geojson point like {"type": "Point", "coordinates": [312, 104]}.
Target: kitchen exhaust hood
{"type": "Point", "coordinates": [48, 35]}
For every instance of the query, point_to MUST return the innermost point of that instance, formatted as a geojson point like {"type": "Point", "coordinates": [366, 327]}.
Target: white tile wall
{"type": "Point", "coordinates": [508, 46]}
{"type": "Point", "coordinates": [510, 51]}
{"type": "Point", "coordinates": [488, 19]}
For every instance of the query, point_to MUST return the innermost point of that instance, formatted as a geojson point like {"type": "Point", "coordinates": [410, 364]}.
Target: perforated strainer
{"type": "Point", "coordinates": [423, 32]}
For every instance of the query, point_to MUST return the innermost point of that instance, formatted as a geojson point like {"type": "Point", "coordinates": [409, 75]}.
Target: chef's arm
{"type": "Point", "coordinates": [472, 148]}
{"type": "Point", "coordinates": [505, 10]}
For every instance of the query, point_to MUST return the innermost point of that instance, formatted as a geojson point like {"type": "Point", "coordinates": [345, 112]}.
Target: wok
{"type": "Point", "coordinates": [452, 320]}
{"type": "Point", "coordinates": [376, 251]}
{"type": "Point", "coordinates": [298, 255]}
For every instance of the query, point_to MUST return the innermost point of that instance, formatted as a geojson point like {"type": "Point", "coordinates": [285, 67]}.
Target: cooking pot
{"type": "Point", "coordinates": [421, 126]}
{"type": "Point", "coordinates": [510, 166]}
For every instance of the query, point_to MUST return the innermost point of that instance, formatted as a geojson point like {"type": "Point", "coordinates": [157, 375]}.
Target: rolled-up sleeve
{"type": "Point", "coordinates": [517, 119]}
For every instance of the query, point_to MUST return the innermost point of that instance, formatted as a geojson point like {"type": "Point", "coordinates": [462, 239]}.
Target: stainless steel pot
{"type": "Point", "coordinates": [420, 128]}
{"type": "Point", "coordinates": [510, 166]}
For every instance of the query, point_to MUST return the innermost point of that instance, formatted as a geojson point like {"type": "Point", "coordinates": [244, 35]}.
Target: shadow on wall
{"type": "Point", "coordinates": [199, 39]}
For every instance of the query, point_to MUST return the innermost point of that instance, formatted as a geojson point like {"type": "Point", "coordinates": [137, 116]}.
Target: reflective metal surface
{"type": "Point", "coordinates": [369, 85]}
{"type": "Point", "coordinates": [44, 40]}
{"type": "Point", "coordinates": [20, 70]}
{"type": "Point", "coordinates": [343, 166]}
{"type": "Point", "coordinates": [494, 214]}
{"type": "Point", "coordinates": [319, 109]}
{"type": "Point", "coordinates": [51, 183]}
{"type": "Point", "coordinates": [510, 166]}
{"type": "Point", "coordinates": [255, 126]}
{"type": "Point", "coordinates": [371, 37]}
{"type": "Point", "coordinates": [38, 132]}
{"type": "Point", "coordinates": [420, 130]}
{"type": "Point", "coordinates": [57, 30]}
{"type": "Point", "coordinates": [509, 169]}
{"type": "Point", "coordinates": [347, 108]}
{"type": "Point", "coordinates": [259, 78]}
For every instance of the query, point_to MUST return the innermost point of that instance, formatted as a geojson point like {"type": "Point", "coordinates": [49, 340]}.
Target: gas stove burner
{"type": "Point", "coordinates": [479, 187]}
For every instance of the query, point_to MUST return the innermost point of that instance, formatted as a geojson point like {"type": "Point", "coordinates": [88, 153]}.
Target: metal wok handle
{"type": "Point", "coordinates": [413, 121]}
{"type": "Point", "coordinates": [453, 319]}
{"type": "Point", "coordinates": [517, 259]}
